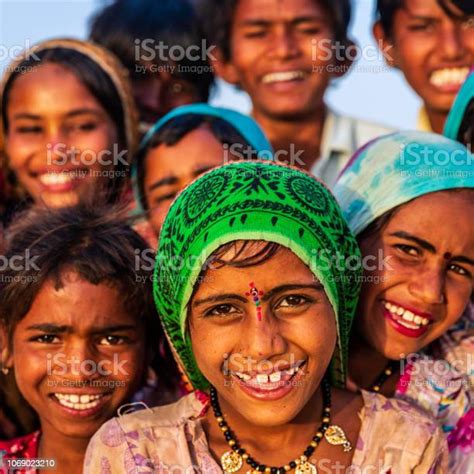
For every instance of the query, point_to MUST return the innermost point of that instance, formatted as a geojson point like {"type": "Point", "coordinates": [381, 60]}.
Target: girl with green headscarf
{"type": "Point", "coordinates": [256, 283]}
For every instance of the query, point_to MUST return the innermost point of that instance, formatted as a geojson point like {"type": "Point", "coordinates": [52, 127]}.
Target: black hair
{"type": "Point", "coordinates": [174, 130]}
{"type": "Point", "coordinates": [218, 17]}
{"type": "Point", "coordinates": [95, 242]}
{"type": "Point", "coordinates": [97, 82]}
{"type": "Point", "coordinates": [466, 129]}
{"type": "Point", "coordinates": [124, 24]}
{"type": "Point", "coordinates": [386, 9]}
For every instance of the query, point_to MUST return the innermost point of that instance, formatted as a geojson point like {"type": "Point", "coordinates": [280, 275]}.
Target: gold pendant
{"type": "Point", "coordinates": [306, 468]}
{"type": "Point", "coordinates": [231, 462]}
{"type": "Point", "coordinates": [335, 435]}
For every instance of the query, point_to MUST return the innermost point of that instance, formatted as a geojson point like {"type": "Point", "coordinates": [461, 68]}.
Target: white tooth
{"type": "Point", "coordinates": [275, 377]}
{"type": "Point", "coordinates": [425, 322]}
{"type": "Point", "coordinates": [243, 376]}
{"type": "Point", "coordinates": [418, 320]}
{"type": "Point", "coordinates": [408, 315]}
{"type": "Point", "coordinates": [85, 399]}
{"type": "Point", "coordinates": [400, 311]}
{"type": "Point", "coordinates": [262, 378]}
{"type": "Point", "coordinates": [291, 371]}
{"type": "Point", "coordinates": [74, 398]}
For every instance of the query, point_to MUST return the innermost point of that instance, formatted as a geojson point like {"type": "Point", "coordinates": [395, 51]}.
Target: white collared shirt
{"type": "Point", "coordinates": [342, 137]}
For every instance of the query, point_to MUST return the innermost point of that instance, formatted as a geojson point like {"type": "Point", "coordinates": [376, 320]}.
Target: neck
{"type": "Point", "coordinates": [437, 119]}
{"type": "Point", "coordinates": [365, 363]}
{"type": "Point", "coordinates": [293, 135]}
{"type": "Point", "coordinates": [68, 452]}
{"type": "Point", "coordinates": [272, 445]}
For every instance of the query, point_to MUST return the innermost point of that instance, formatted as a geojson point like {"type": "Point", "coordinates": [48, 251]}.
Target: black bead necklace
{"type": "Point", "coordinates": [233, 460]}
{"type": "Point", "coordinates": [382, 378]}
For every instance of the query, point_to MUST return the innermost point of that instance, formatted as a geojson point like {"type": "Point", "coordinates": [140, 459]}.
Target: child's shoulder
{"type": "Point", "coordinates": [174, 415]}
{"type": "Point", "coordinates": [22, 447]}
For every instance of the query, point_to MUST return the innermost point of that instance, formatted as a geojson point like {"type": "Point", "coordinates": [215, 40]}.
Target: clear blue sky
{"type": "Point", "coordinates": [379, 94]}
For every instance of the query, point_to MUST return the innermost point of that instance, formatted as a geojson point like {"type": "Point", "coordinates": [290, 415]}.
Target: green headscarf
{"type": "Point", "coordinates": [254, 201]}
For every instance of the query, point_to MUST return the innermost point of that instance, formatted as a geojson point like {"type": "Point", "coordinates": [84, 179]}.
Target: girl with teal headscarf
{"type": "Point", "coordinates": [185, 143]}
{"type": "Point", "coordinates": [409, 198]}
{"type": "Point", "coordinates": [256, 283]}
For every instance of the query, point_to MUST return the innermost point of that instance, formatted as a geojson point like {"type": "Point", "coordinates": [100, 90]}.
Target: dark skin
{"type": "Point", "coordinates": [297, 324]}
{"type": "Point", "coordinates": [430, 269]}
{"type": "Point", "coordinates": [274, 37]}
{"type": "Point", "coordinates": [65, 328]}
{"type": "Point", "coordinates": [424, 41]}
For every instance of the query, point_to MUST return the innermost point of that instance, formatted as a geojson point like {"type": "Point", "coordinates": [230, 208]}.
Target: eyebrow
{"type": "Point", "coordinates": [429, 247]}
{"type": "Point", "coordinates": [265, 297]}
{"type": "Point", "coordinates": [421, 242]}
{"type": "Point", "coordinates": [202, 170]}
{"type": "Point", "coordinates": [163, 182]}
{"type": "Point", "coordinates": [294, 21]}
{"type": "Point", "coordinates": [73, 113]}
{"type": "Point", "coordinates": [55, 329]}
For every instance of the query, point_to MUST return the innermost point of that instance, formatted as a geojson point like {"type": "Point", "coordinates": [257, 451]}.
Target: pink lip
{"type": "Point", "coordinates": [415, 333]}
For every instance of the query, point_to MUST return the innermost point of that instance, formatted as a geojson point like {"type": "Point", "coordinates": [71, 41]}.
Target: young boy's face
{"type": "Point", "coordinates": [281, 55]}
{"type": "Point", "coordinates": [433, 50]}
{"type": "Point", "coordinates": [77, 355]}
{"type": "Point", "coordinates": [169, 169]}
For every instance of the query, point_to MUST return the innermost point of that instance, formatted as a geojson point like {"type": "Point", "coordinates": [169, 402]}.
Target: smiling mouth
{"type": "Point", "coordinates": [449, 77]}
{"type": "Point", "coordinates": [267, 382]}
{"type": "Point", "coordinates": [286, 76]}
{"type": "Point", "coordinates": [78, 402]}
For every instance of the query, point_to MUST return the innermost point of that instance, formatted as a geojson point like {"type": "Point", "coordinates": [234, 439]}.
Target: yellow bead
{"type": "Point", "coordinates": [376, 388]}
{"type": "Point", "coordinates": [268, 469]}
{"type": "Point", "coordinates": [219, 419]}
{"type": "Point", "coordinates": [313, 444]}
{"type": "Point", "coordinates": [388, 372]}
{"type": "Point", "coordinates": [245, 456]}
{"type": "Point", "coordinates": [326, 419]}
{"type": "Point", "coordinates": [224, 428]}
{"type": "Point", "coordinates": [287, 468]}
{"type": "Point", "coordinates": [303, 458]}
{"type": "Point", "coordinates": [231, 442]}
{"type": "Point", "coordinates": [319, 434]}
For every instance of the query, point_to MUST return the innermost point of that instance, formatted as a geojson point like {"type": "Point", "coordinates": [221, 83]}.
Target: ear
{"type": "Point", "coordinates": [6, 356]}
{"type": "Point", "coordinates": [385, 44]}
{"type": "Point", "coordinates": [224, 68]}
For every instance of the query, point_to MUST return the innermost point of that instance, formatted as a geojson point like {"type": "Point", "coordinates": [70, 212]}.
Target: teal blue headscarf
{"type": "Point", "coordinates": [461, 103]}
{"type": "Point", "coordinates": [394, 169]}
{"type": "Point", "coordinates": [243, 124]}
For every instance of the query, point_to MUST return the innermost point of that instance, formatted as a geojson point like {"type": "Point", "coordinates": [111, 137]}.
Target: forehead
{"type": "Point", "coordinates": [423, 7]}
{"type": "Point", "coordinates": [265, 275]}
{"type": "Point", "coordinates": [277, 10]}
{"type": "Point", "coordinates": [77, 303]}
{"type": "Point", "coordinates": [442, 216]}
{"type": "Point", "coordinates": [50, 88]}
{"type": "Point", "coordinates": [198, 148]}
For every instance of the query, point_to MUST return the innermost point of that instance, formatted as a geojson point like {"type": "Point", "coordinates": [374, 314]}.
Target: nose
{"type": "Point", "coordinates": [429, 286]}
{"type": "Point", "coordinates": [263, 338]}
{"type": "Point", "coordinates": [450, 44]}
{"type": "Point", "coordinates": [80, 362]}
{"type": "Point", "coordinates": [284, 44]}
